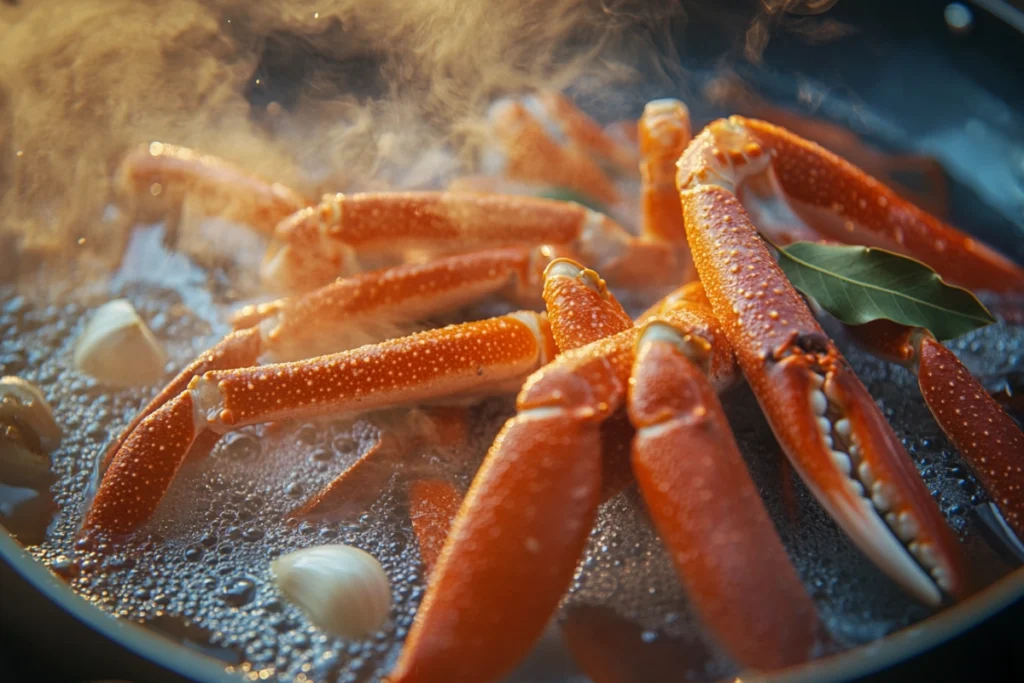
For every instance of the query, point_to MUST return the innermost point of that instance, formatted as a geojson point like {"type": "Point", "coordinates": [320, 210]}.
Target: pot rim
{"type": "Point", "coordinates": [860, 661]}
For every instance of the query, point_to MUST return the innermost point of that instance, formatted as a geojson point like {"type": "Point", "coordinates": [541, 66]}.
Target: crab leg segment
{"type": "Point", "coordinates": [665, 132]}
{"type": "Point", "coordinates": [707, 509]}
{"type": "Point", "coordinates": [838, 201]}
{"type": "Point", "coordinates": [433, 504]}
{"type": "Point", "coordinates": [172, 173]}
{"type": "Point", "coordinates": [989, 440]}
{"type": "Point", "coordinates": [582, 130]}
{"type": "Point", "coordinates": [486, 356]}
{"type": "Point", "coordinates": [238, 349]}
{"type": "Point", "coordinates": [822, 415]}
{"type": "Point", "coordinates": [370, 307]}
{"type": "Point", "coordinates": [580, 307]}
{"type": "Point", "coordinates": [483, 357]}
{"type": "Point", "coordinates": [521, 530]}
{"type": "Point", "coordinates": [535, 151]}
{"type": "Point", "coordinates": [343, 233]}
{"type": "Point", "coordinates": [688, 309]}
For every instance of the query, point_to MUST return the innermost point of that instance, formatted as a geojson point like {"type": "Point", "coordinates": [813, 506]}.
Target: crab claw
{"type": "Point", "coordinates": [988, 439]}
{"type": "Point", "coordinates": [825, 420]}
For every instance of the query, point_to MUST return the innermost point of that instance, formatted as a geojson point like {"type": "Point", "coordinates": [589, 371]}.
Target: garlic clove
{"type": "Point", "coordinates": [344, 590]}
{"type": "Point", "coordinates": [118, 349]}
{"type": "Point", "coordinates": [19, 465]}
{"type": "Point", "coordinates": [23, 406]}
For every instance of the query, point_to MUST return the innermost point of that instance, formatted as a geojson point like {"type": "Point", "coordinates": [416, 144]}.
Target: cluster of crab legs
{"type": "Point", "coordinates": [588, 374]}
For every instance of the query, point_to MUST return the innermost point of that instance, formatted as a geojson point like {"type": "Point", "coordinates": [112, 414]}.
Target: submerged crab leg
{"type": "Point", "coordinates": [808, 186]}
{"type": "Point", "coordinates": [171, 173]}
{"type": "Point", "coordinates": [611, 649]}
{"type": "Point", "coordinates": [351, 312]}
{"type": "Point", "coordinates": [365, 479]}
{"type": "Point", "coordinates": [707, 509]}
{"type": "Point", "coordinates": [822, 415]}
{"type": "Point", "coordinates": [433, 504]}
{"type": "Point", "coordinates": [483, 357]}
{"type": "Point", "coordinates": [989, 440]}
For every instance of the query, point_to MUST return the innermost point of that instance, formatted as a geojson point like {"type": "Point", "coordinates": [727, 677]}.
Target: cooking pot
{"type": "Point", "coordinates": [941, 79]}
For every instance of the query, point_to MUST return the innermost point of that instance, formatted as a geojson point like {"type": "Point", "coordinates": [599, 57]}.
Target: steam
{"type": "Point", "coordinates": [796, 16]}
{"type": "Point", "coordinates": [82, 82]}
{"type": "Point", "coordinates": [321, 95]}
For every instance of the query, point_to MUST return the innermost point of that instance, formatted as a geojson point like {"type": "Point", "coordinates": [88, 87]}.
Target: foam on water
{"type": "Point", "coordinates": [199, 573]}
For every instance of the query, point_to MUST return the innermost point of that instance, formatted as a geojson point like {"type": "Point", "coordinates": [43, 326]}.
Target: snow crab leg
{"type": "Point", "coordinates": [795, 189]}
{"type": "Point", "coordinates": [546, 140]}
{"type": "Point", "coordinates": [521, 529]}
{"type": "Point", "coordinates": [821, 414]}
{"type": "Point", "coordinates": [164, 172]}
{"type": "Point", "coordinates": [486, 357]}
{"type": "Point", "coordinates": [344, 232]}
{"type": "Point", "coordinates": [987, 437]}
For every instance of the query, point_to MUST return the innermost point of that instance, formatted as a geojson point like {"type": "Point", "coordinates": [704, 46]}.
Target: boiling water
{"type": "Point", "coordinates": [199, 573]}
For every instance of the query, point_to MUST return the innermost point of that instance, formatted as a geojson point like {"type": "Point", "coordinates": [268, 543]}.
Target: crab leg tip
{"type": "Point", "coordinates": [143, 467]}
{"type": "Point", "coordinates": [987, 437]}
{"type": "Point", "coordinates": [708, 510]}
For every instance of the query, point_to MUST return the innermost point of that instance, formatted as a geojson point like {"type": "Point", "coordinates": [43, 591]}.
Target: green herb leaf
{"type": "Point", "coordinates": [564, 194]}
{"type": "Point", "coordinates": [861, 284]}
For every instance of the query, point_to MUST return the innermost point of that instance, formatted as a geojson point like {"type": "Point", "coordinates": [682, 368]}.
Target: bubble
{"type": "Point", "coordinates": [240, 446]}
{"type": "Point", "coordinates": [238, 592]}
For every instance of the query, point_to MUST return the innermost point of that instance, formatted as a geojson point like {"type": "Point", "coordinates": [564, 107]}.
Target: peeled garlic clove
{"type": "Point", "coordinates": [118, 349]}
{"type": "Point", "coordinates": [23, 405]}
{"type": "Point", "coordinates": [343, 589]}
{"type": "Point", "coordinates": [20, 465]}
